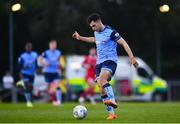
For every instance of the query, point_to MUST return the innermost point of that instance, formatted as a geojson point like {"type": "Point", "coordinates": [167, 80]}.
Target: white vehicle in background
{"type": "Point", "coordinates": [137, 84]}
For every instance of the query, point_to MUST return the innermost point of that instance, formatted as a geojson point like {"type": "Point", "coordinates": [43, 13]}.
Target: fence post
{"type": "Point", "coordinates": [169, 91]}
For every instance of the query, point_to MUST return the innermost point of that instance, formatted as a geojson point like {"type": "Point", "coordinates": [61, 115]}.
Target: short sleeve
{"type": "Point", "coordinates": [20, 60]}
{"type": "Point", "coordinates": [115, 36]}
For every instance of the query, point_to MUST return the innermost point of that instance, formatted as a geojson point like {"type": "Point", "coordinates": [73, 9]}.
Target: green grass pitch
{"type": "Point", "coordinates": [127, 112]}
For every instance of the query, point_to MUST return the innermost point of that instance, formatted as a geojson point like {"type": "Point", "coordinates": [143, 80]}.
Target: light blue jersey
{"type": "Point", "coordinates": [106, 44]}
{"type": "Point", "coordinates": [28, 62]}
{"type": "Point", "coordinates": [52, 58]}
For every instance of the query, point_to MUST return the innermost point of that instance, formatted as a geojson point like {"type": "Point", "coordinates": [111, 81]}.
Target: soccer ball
{"type": "Point", "coordinates": [79, 112]}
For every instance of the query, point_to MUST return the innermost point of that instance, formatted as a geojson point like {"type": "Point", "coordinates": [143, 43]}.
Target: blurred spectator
{"type": "Point", "coordinates": [7, 87]}
{"type": "Point", "coordinates": [8, 81]}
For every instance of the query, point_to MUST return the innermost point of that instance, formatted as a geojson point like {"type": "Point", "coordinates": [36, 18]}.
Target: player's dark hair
{"type": "Point", "coordinates": [93, 17]}
{"type": "Point", "coordinates": [52, 40]}
{"type": "Point", "coordinates": [28, 43]}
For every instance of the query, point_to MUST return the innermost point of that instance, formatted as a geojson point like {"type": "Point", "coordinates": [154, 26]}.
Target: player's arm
{"type": "Point", "coordinates": [41, 60]}
{"type": "Point", "coordinates": [123, 43]}
{"type": "Point", "coordinates": [81, 38]}
{"type": "Point", "coordinates": [20, 63]}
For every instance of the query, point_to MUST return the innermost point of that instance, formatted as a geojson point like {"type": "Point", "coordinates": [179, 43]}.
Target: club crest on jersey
{"type": "Point", "coordinates": [117, 34]}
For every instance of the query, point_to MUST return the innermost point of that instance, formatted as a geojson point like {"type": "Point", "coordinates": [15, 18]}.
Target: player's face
{"type": "Point", "coordinates": [92, 52]}
{"type": "Point", "coordinates": [28, 47]}
{"type": "Point", "coordinates": [53, 45]}
{"type": "Point", "coordinates": [95, 25]}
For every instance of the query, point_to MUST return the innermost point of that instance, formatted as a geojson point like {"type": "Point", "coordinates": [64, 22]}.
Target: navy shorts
{"type": "Point", "coordinates": [106, 65]}
{"type": "Point", "coordinates": [51, 77]}
{"type": "Point", "coordinates": [28, 78]}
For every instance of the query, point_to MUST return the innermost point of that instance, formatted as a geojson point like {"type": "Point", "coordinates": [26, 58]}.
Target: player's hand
{"type": "Point", "coordinates": [45, 64]}
{"type": "Point", "coordinates": [76, 35]}
{"type": "Point", "coordinates": [134, 62]}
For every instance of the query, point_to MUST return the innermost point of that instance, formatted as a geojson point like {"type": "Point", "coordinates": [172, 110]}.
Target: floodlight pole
{"type": "Point", "coordinates": [11, 55]}
{"type": "Point", "coordinates": [158, 56]}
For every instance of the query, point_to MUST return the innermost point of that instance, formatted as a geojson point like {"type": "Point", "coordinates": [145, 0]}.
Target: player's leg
{"type": "Point", "coordinates": [28, 86]}
{"type": "Point", "coordinates": [48, 81]}
{"type": "Point", "coordinates": [91, 90]}
{"type": "Point", "coordinates": [106, 87]}
{"type": "Point", "coordinates": [109, 68]}
{"type": "Point", "coordinates": [83, 96]}
{"type": "Point", "coordinates": [102, 91]}
{"type": "Point", "coordinates": [58, 95]}
{"type": "Point", "coordinates": [109, 108]}
{"type": "Point", "coordinates": [107, 93]}
{"type": "Point", "coordinates": [104, 96]}
{"type": "Point", "coordinates": [49, 88]}
{"type": "Point", "coordinates": [58, 90]}
{"type": "Point", "coordinates": [27, 93]}
{"type": "Point", "coordinates": [84, 93]}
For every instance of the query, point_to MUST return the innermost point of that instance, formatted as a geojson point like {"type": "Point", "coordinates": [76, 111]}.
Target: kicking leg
{"type": "Point", "coordinates": [107, 94]}
{"type": "Point", "coordinates": [106, 88]}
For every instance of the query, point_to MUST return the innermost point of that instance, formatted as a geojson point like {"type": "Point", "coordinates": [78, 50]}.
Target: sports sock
{"type": "Point", "coordinates": [28, 96]}
{"type": "Point", "coordinates": [58, 95]}
{"type": "Point", "coordinates": [109, 91]}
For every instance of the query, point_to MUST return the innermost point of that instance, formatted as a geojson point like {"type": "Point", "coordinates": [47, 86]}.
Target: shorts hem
{"type": "Point", "coordinates": [107, 69]}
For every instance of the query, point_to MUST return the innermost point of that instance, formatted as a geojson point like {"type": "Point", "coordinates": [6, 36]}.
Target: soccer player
{"type": "Point", "coordinates": [28, 63]}
{"type": "Point", "coordinates": [89, 64]}
{"type": "Point", "coordinates": [51, 69]}
{"type": "Point", "coordinates": [106, 40]}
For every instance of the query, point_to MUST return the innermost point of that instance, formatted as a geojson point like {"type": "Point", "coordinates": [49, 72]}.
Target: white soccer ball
{"type": "Point", "coordinates": [79, 112]}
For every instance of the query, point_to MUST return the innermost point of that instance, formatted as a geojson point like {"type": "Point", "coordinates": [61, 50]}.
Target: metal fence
{"type": "Point", "coordinates": [173, 93]}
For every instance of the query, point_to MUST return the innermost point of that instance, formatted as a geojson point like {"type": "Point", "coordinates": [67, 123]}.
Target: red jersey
{"type": "Point", "coordinates": [90, 63]}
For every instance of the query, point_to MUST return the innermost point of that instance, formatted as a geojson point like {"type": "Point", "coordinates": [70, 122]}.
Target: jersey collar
{"type": "Point", "coordinates": [105, 26]}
